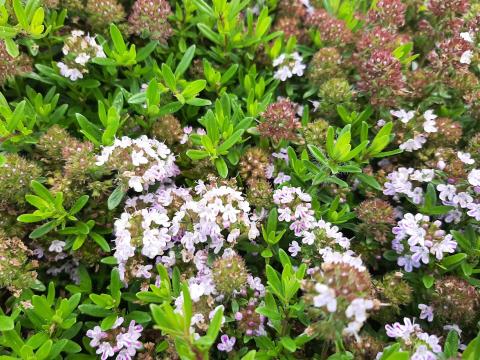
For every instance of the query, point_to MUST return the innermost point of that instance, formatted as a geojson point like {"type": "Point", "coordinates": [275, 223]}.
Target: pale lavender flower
{"type": "Point", "coordinates": [326, 297]}
{"type": "Point", "coordinates": [56, 246]}
{"type": "Point", "coordinates": [226, 343]}
{"type": "Point", "coordinates": [426, 312]}
{"type": "Point", "coordinates": [403, 115]}
{"type": "Point", "coordinates": [294, 248]}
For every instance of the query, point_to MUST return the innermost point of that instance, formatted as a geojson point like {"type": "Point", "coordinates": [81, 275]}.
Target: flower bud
{"type": "Point", "coordinates": [149, 18]}
{"type": "Point", "coordinates": [456, 301]}
{"type": "Point", "coordinates": [16, 270]}
{"type": "Point", "coordinates": [229, 274]}
{"type": "Point", "coordinates": [253, 164]}
{"type": "Point", "coordinates": [102, 13]}
{"type": "Point", "coordinates": [15, 178]}
{"type": "Point", "coordinates": [325, 65]}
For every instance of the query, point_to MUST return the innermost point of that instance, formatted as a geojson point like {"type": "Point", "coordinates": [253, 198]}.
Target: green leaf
{"type": "Point", "coordinates": [145, 51]}
{"type": "Point", "coordinates": [187, 306]}
{"type": "Point", "coordinates": [116, 197]}
{"type": "Point", "coordinates": [267, 253]}
{"type": "Point", "coordinates": [108, 322]}
{"type": "Point", "coordinates": [250, 355]}
{"type": "Point", "coordinates": [115, 286]}
{"type": "Point", "coordinates": [232, 140]}
{"type": "Point", "coordinates": [274, 281]}
{"type": "Point", "coordinates": [94, 310]}
{"type": "Point", "coordinates": [20, 14]}
{"type": "Point", "coordinates": [6, 323]}
{"type": "Point", "coordinates": [210, 34]}
{"type": "Point", "coordinates": [369, 180]}
{"type": "Point", "coordinates": [79, 241]}
{"type": "Point", "coordinates": [288, 343]}
{"type": "Point", "coordinates": [193, 88]}
{"type": "Point", "coordinates": [100, 240]}
{"type": "Point", "coordinates": [198, 102]}
{"type": "Point", "coordinates": [79, 204]}
{"type": "Point", "coordinates": [185, 62]}
{"type": "Point", "coordinates": [221, 166]}
{"type": "Point", "coordinates": [197, 154]}
{"type": "Point", "coordinates": [453, 260]}
{"type": "Point", "coordinates": [30, 218]}
{"type": "Point", "coordinates": [41, 307]}
{"type": "Point", "coordinates": [44, 350]}
{"type": "Point", "coordinates": [91, 131]}
{"type": "Point", "coordinates": [117, 39]}
{"type": "Point", "coordinates": [11, 47]}
{"type": "Point", "coordinates": [452, 342]}
{"type": "Point", "coordinates": [169, 77]}
{"type": "Point", "coordinates": [472, 352]}
{"type": "Point", "coordinates": [42, 230]}
{"type": "Point", "coordinates": [215, 325]}
{"type": "Point", "coordinates": [428, 281]}
{"type": "Point", "coordinates": [227, 75]}
{"type": "Point", "coordinates": [42, 191]}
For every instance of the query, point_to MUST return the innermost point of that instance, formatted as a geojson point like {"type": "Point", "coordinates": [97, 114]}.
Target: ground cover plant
{"type": "Point", "coordinates": [239, 179]}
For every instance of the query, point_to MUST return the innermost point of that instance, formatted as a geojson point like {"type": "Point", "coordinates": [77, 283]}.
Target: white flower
{"type": "Point", "coordinates": [447, 192]}
{"type": "Point", "coordinates": [474, 210]}
{"type": "Point", "coordinates": [467, 37]}
{"type": "Point", "coordinates": [306, 3]}
{"type": "Point", "coordinates": [289, 65]}
{"type": "Point", "coordinates": [325, 297]}
{"type": "Point", "coordinates": [424, 175]}
{"type": "Point", "coordinates": [474, 177]}
{"type": "Point", "coordinates": [283, 73]}
{"type": "Point", "coordinates": [429, 115]}
{"type": "Point", "coordinates": [138, 158]}
{"type": "Point", "coordinates": [56, 246]}
{"type": "Point", "coordinates": [82, 59]}
{"type": "Point", "coordinates": [465, 157]}
{"type": "Point", "coordinates": [135, 182]}
{"type": "Point", "coordinates": [281, 178]}
{"type": "Point", "coordinates": [196, 291]}
{"type": "Point", "coordinates": [294, 248]}
{"type": "Point", "coordinates": [279, 60]}
{"type": "Point", "coordinates": [466, 57]}
{"type": "Point", "coordinates": [298, 67]}
{"type": "Point", "coordinates": [403, 115]}
{"type": "Point", "coordinates": [462, 199]}
{"type": "Point", "coordinates": [72, 74]}
{"type": "Point", "coordinates": [77, 33]}
{"type": "Point", "coordinates": [430, 126]}
{"type": "Point", "coordinates": [413, 144]}
{"type": "Point", "coordinates": [358, 309]}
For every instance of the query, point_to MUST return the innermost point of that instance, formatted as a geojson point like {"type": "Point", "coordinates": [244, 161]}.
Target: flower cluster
{"type": "Point", "coordinates": [139, 162]}
{"type": "Point", "coordinates": [288, 65]}
{"type": "Point", "coordinates": [177, 221]}
{"type": "Point", "coordinates": [294, 207]}
{"type": "Point", "coordinates": [399, 183]}
{"type": "Point", "coordinates": [340, 288]}
{"type": "Point", "coordinates": [465, 201]}
{"type": "Point", "coordinates": [417, 239]}
{"type": "Point", "coordinates": [415, 133]}
{"type": "Point", "coordinates": [78, 50]}
{"type": "Point", "coordinates": [418, 343]}
{"type": "Point", "coordinates": [117, 342]}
